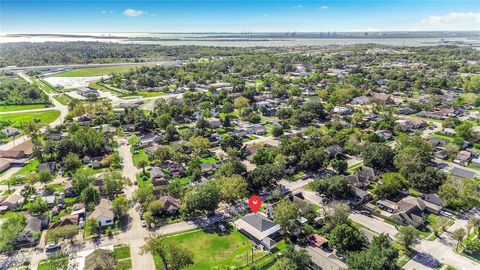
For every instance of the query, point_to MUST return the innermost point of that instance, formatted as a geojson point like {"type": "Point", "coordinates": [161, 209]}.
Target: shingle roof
{"type": "Point", "coordinates": [258, 221]}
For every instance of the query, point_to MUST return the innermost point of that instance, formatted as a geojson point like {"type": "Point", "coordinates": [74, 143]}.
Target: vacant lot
{"type": "Point", "coordinates": [44, 117]}
{"type": "Point", "coordinates": [212, 250]}
{"type": "Point", "coordinates": [98, 71]}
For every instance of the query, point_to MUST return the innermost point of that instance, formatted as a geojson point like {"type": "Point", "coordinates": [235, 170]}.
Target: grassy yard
{"type": "Point", "coordinates": [150, 93]}
{"type": "Point", "coordinates": [140, 155]}
{"type": "Point", "coordinates": [354, 167]}
{"type": "Point", "coordinates": [63, 99]}
{"type": "Point", "coordinates": [210, 160]}
{"type": "Point", "coordinates": [122, 255]}
{"type": "Point", "coordinates": [444, 137]}
{"type": "Point", "coordinates": [214, 251]}
{"type": "Point", "coordinates": [97, 71]}
{"type": "Point", "coordinates": [44, 117]}
{"type": "Point", "coordinates": [48, 265]}
{"type": "Point", "coordinates": [18, 177]}
{"type": "Point", "coordinates": [46, 87]}
{"type": "Point", "coordinates": [11, 108]}
{"type": "Point", "coordinates": [133, 140]}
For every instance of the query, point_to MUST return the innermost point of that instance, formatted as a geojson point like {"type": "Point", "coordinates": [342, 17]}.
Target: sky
{"type": "Point", "coordinates": [67, 16]}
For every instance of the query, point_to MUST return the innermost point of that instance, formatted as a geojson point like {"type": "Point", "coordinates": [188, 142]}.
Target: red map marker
{"type": "Point", "coordinates": [255, 202]}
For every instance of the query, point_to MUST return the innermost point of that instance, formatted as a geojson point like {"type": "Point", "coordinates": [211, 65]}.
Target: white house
{"type": "Point", "coordinates": [259, 228]}
{"type": "Point", "coordinates": [103, 213]}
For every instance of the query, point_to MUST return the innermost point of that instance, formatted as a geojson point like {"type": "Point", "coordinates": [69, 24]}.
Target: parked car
{"type": "Point", "coordinates": [222, 228]}
{"type": "Point", "coordinates": [52, 248]}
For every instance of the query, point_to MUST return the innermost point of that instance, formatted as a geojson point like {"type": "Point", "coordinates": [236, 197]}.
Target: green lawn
{"type": "Point", "coordinates": [47, 265]}
{"type": "Point", "coordinates": [97, 71]}
{"type": "Point", "coordinates": [354, 167]}
{"type": "Point", "coordinates": [45, 86]}
{"type": "Point", "coordinates": [444, 137]}
{"type": "Point", "coordinates": [25, 170]}
{"type": "Point", "coordinates": [150, 93]}
{"type": "Point", "coordinates": [64, 99]}
{"type": "Point", "coordinates": [133, 140]}
{"type": "Point", "coordinates": [210, 160]}
{"type": "Point", "coordinates": [44, 117]}
{"type": "Point", "coordinates": [121, 252]}
{"type": "Point", "coordinates": [214, 251]}
{"type": "Point", "coordinates": [57, 187]}
{"type": "Point", "coordinates": [141, 155]}
{"type": "Point", "coordinates": [10, 108]}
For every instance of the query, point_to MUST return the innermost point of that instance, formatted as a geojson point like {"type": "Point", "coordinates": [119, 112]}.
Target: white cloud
{"type": "Point", "coordinates": [133, 12]}
{"type": "Point", "coordinates": [324, 7]}
{"type": "Point", "coordinates": [451, 21]}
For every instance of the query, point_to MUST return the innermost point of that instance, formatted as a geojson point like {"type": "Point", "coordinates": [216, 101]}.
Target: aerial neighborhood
{"type": "Point", "coordinates": [364, 157]}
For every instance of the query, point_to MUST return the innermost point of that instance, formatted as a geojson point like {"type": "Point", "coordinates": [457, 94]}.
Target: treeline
{"type": "Point", "coordinates": [56, 53]}
{"type": "Point", "coordinates": [18, 92]}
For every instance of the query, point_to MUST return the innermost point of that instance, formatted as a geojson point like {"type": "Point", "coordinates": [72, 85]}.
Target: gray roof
{"type": "Point", "coordinates": [463, 173]}
{"type": "Point", "coordinates": [258, 221]}
{"type": "Point", "coordinates": [156, 172]}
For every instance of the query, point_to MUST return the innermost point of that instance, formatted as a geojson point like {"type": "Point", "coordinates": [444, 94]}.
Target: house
{"type": "Point", "coordinates": [433, 198]}
{"type": "Point", "coordinates": [50, 200]}
{"type": "Point", "coordinates": [475, 162]}
{"type": "Point", "coordinates": [66, 220]}
{"type": "Point", "coordinates": [4, 165]}
{"type": "Point", "coordinates": [103, 213]}
{"type": "Point", "coordinates": [84, 120]}
{"type": "Point", "coordinates": [88, 92]}
{"type": "Point", "coordinates": [259, 228]}
{"type": "Point", "coordinates": [317, 240]}
{"type": "Point", "coordinates": [366, 174]}
{"type": "Point", "coordinates": [78, 209]}
{"type": "Point", "coordinates": [363, 100]}
{"type": "Point", "coordinates": [333, 150]}
{"type": "Point", "coordinates": [437, 142]}
{"type": "Point", "coordinates": [31, 232]}
{"type": "Point", "coordinates": [148, 139]}
{"type": "Point", "coordinates": [251, 149]}
{"type": "Point", "coordinates": [406, 111]}
{"type": "Point", "coordinates": [53, 135]}
{"type": "Point", "coordinates": [46, 166]}
{"type": "Point", "coordinates": [409, 124]}
{"type": "Point", "coordinates": [409, 210]}
{"type": "Point", "coordinates": [215, 123]}
{"type": "Point", "coordinates": [354, 181]}
{"type": "Point", "coordinates": [259, 130]}
{"type": "Point", "coordinates": [14, 154]}
{"type": "Point", "coordinates": [361, 196]}
{"type": "Point", "coordinates": [171, 205]}
{"type": "Point", "coordinates": [463, 157]}
{"type": "Point", "coordinates": [129, 127]}
{"type": "Point", "coordinates": [382, 98]}
{"type": "Point", "coordinates": [384, 134]}
{"type": "Point", "coordinates": [302, 204]}
{"type": "Point", "coordinates": [156, 173]}
{"type": "Point", "coordinates": [341, 110]}
{"type": "Point", "coordinates": [10, 131]}
{"type": "Point", "coordinates": [206, 168]}
{"type": "Point", "coordinates": [463, 173]}
{"type": "Point", "coordinates": [12, 201]}
{"type": "Point", "coordinates": [441, 154]}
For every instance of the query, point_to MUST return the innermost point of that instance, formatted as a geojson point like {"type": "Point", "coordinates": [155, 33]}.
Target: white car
{"type": "Point", "coordinates": [144, 224]}
{"type": "Point", "coordinates": [222, 228]}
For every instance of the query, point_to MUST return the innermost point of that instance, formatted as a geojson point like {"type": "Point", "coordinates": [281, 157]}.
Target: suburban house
{"type": "Point", "coordinates": [10, 131]}
{"type": "Point", "coordinates": [363, 100]}
{"type": "Point", "coordinates": [13, 154]}
{"type": "Point", "coordinates": [103, 213]}
{"type": "Point", "coordinates": [84, 120]}
{"type": "Point", "coordinates": [341, 110]}
{"type": "Point", "coordinates": [409, 210]}
{"type": "Point", "coordinates": [409, 124]}
{"type": "Point", "coordinates": [11, 202]}
{"type": "Point", "coordinates": [463, 157]}
{"type": "Point", "coordinates": [171, 205]}
{"type": "Point", "coordinates": [333, 150]}
{"type": "Point", "coordinates": [46, 166]}
{"type": "Point", "coordinates": [366, 175]}
{"type": "Point", "coordinates": [259, 228]}
{"type": "Point", "coordinates": [31, 232]}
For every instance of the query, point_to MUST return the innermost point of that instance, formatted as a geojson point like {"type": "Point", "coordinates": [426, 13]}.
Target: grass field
{"type": "Point", "coordinates": [47, 264]}
{"type": "Point", "coordinates": [11, 108]}
{"type": "Point", "coordinates": [64, 99]}
{"type": "Point", "coordinates": [43, 85]}
{"type": "Point", "coordinates": [215, 251]}
{"type": "Point", "coordinates": [97, 71]}
{"type": "Point", "coordinates": [44, 117]}
{"type": "Point", "coordinates": [150, 93]}
{"type": "Point", "coordinates": [141, 155]}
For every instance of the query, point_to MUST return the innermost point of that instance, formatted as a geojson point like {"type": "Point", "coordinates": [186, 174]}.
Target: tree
{"type": "Point", "coordinates": [174, 256]}
{"type": "Point", "coordinates": [200, 199]}
{"type": "Point", "coordinates": [199, 145]}
{"type": "Point", "coordinates": [114, 182]}
{"type": "Point", "coordinates": [312, 159]}
{"type": "Point", "coordinates": [333, 187]}
{"type": "Point", "coordinates": [339, 165]}
{"type": "Point", "coordinates": [71, 162]}
{"type": "Point", "coordinates": [263, 156]}
{"type": "Point", "coordinates": [231, 141]}
{"type": "Point", "coordinates": [346, 238]}
{"type": "Point", "coordinates": [294, 260]}
{"type": "Point", "coordinates": [90, 197]}
{"type": "Point", "coordinates": [378, 156]}
{"type": "Point", "coordinates": [9, 231]}
{"type": "Point", "coordinates": [241, 102]}
{"type": "Point", "coordinates": [100, 259]}
{"type": "Point", "coordinates": [63, 232]}
{"type": "Point", "coordinates": [120, 206]}
{"type": "Point", "coordinates": [92, 224]}
{"type": "Point", "coordinates": [265, 176]}
{"type": "Point", "coordinates": [143, 195]}
{"type": "Point", "coordinates": [473, 246]}
{"type": "Point", "coordinates": [285, 215]}
{"type": "Point", "coordinates": [81, 181]}
{"type": "Point", "coordinates": [232, 188]}
{"type": "Point", "coordinates": [408, 236]}
{"type": "Point", "coordinates": [277, 131]}
{"type": "Point", "coordinates": [440, 225]}
{"type": "Point", "coordinates": [142, 164]}
{"type": "Point", "coordinates": [392, 184]}
{"type": "Point", "coordinates": [380, 255]}
{"type": "Point", "coordinates": [458, 235]}
{"type": "Point", "coordinates": [44, 177]}
{"type": "Point", "coordinates": [39, 206]}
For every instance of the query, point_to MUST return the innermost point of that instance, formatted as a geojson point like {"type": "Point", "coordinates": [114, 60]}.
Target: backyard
{"type": "Point", "coordinates": [44, 117]}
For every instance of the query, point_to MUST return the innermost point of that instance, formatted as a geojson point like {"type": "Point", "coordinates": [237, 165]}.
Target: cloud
{"type": "Point", "coordinates": [133, 12]}
{"type": "Point", "coordinates": [324, 7]}
{"type": "Point", "coordinates": [451, 21]}
{"type": "Point", "coordinates": [298, 6]}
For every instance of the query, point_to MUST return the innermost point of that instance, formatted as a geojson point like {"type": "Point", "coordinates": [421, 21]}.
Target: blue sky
{"type": "Point", "coordinates": [47, 16]}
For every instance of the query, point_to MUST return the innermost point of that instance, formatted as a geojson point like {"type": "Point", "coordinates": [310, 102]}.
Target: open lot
{"type": "Point", "coordinates": [43, 117]}
{"type": "Point", "coordinates": [98, 71]}
{"type": "Point", "coordinates": [11, 108]}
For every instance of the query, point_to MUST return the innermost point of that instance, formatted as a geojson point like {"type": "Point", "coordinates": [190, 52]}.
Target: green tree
{"type": "Point", "coordinates": [120, 206]}
{"type": "Point", "coordinates": [62, 232]}
{"type": "Point", "coordinates": [81, 181]}
{"type": "Point", "coordinates": [71, 162]}
{"type": "Point", "coordinates": [345, 238]}
{"type": "Point", "coordinates": [90, 197]}
{"type": "Point", "coordinates": [174, 256]}
{"type": "Point", "coordinates": [277, 131]}
{"type": "Point", "coordinates": [380, 255]}
{"type": "Point", "coordinates": [312, 159]}
{"type": "Point", "coordinates": [232, 188]}
{"type": "Point", "coordinates": [378, 156]}
{"type": "Point", "coordinates": [114, 182]}
{"type": "Point", "coordinates": [285, 214]}
{"type": "Point", "coordinates": [458, 235]}
{"type": "Point", "coordinates": [39, 206]}
{"type": "Point", "coordinates": [408, 236]}
{"type": "Point", "coordinates": [294, 260]}
{"type": "Point", "coordinates": [9, 231]}
{"type": "Point", "coordinates": [392, 184]}
{"type": "Point", "coordinates": [334, 187]}
{"type": "Point", "coordinates": [339, 165]}
{"type": "Point", "coordinates": [199, 200]}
